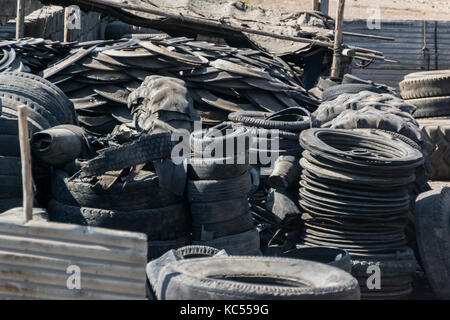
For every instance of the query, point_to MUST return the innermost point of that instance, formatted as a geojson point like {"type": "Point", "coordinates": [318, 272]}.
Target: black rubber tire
{"type": "Point", "coordinates": [41, 93]}
{"type": "Point", "coordinates": [205, 143]}
{"type": "Point", "coordinates": [147, 148]}
{"type": "Point", "coordinates": [158, 248]}
{"type": "Point", "coordinates": [189, 252]}
{"type": "Point", "coordinates": [438, 133]}
{"type": "Point", "coordinates": [335, 257]}
{"type": "Point", "coordinates": [10, 145]}
{"type": "Point", "coordinates": [436, 85]}
{"type": "Point", "coordinates": [10, 187]}
{"type": "Point", "coordinates": [258, 119]}
{"type": "Point", "coordinates": [9, 126]}
{"type": "Point", "coordinates": [211, 231]}
{"type": "Point", "coordinates": [431, 107]}
{"type": "Point", "coordinates": [217, 168]}
{"type": "Point", "coordinates": [10, 203]}
{"type": "Point", "coordinates": [218, 211]}
{"type": "Point", "coordinates": [241, 244]}
{"type": "Point", "coordinates": [350, 88]}
{"type": "Point", "coordinates": [432, 219]}
{"type": "Point", "coordinates": [23, 96]}
{"type": "Point", "coordinates": [60, 97]}
{"type": "Point", "coordinates": [217, 190]}
{"type": "Point", "coordinates": [10, 166]}
{"type": "Point", "coordinates": [213, 279]}
{"type": "Point", "coordinates": [142, 193]}
{"type": "Point", "coordinates": [158, 224]}
{"type": "Point", "coordinates": [10, 103]}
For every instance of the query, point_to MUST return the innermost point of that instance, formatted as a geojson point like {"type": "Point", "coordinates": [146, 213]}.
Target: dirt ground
{"type": "Point", "coordinates": [389, 9]}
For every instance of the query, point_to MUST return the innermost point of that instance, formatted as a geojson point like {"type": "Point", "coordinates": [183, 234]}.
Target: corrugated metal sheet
{"type": "Point", "coordinates": [412, 37]}
{"type": "Point", "coordinates": [35, 256]}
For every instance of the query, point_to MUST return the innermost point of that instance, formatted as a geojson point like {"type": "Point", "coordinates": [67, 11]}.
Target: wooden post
{"type": "Point", "coordinates": [20, 19]}
{"type": "Point", "coordinates": [25, 157]}
{"type": "Point", "coordinates": [337, 55]}
{"type": "Point", "coordinates": [315, 5]}
{"type": "Point", "coordinates": [67, 30]}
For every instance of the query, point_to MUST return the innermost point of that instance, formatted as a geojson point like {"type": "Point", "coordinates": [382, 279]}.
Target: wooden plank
{"type": "Point", "coordinates": [25, 158]}
{"type": "Point", "coordinates": [130, 271]}
{"type": "Point", "coordinates": [20, 19]}
{"type": "Point", "coordinates": [324, 5]}
{"type": "Point", "coordinates": [73, 232]}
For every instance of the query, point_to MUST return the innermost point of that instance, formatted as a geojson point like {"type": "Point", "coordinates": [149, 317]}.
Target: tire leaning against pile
{"type": "Point", "coordinates": [213, 279]}
{"type": "Point", "coordinates": [432, 217]}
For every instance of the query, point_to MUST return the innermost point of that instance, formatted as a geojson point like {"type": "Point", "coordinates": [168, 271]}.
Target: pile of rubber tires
{"type": "Point", "coordinates": [138, 205]}
{"type": "Point", "coordinates": [218, 185]}
{"type": "Point", "coordinates": [273, 134]}
{"type": "Point", "coordinates": [47, 106]}
{"type": "Point", "coordinates": [354, 194]}
{"type": "Point", "coordinates": [429, 91]}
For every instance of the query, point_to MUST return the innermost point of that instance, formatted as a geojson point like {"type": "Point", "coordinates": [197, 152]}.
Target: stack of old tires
{"type": "Point", "coordinates": [219, 182]}
{"type": "Point", "coordinates": [273, 134]}
{"type": "Point", "coordinates": [354, 194]}
{"type": "Point", "coordinates": [137, 204]}
{"type": "Point", "coordinates": [47, 106]}
{"type": "Point", "coordinates": [429, 91]}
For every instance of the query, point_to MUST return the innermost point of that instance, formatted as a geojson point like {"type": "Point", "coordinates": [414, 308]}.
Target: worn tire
{"type": "Point", "coordinates": [157, 248]}
{"type": "Point", "coordinates": [432, 218]}
{"type": "Point", "coordinates": [241, 244]}
{"type": "Point", "coordinates": [211, 231]}
{"type": "Point", "coordinates": [258, 119]}
{"type": "Point", "coordinates": [218, 211]}
{"type": "Point", "coordinates": [438, 133]}
{"type": "Point", "coordinates": [10, 166]}
{"type": "Point", "coordinates": [189, 252]}
{"type": "Point", "coordinates": [431, 107]}
{"type": "Point", "coordinates": [335, 257]}
{"type": "Point", "coordinates": [350, 88]}
{"type": "Point", "coordinates": [158, 224]}
{"type": "Point", "coordinates": [217, 168]}
{"type": "Point", "coordinates": [142, 193]}
{"type": "Point", "coordinates": [213, 279]}
{"type": "Point", "coordinates": [217, 190]}
{"type": "Point", "coordinates": [436, 85]}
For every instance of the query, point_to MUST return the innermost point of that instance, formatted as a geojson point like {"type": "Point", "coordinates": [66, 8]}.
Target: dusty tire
{"type": "Point", "coordinates": [256, 278]}
{"type": "Point", "coordinates": [211, 231]}
{"type": "Point", "coordinates": [217, 190]}
{"type": "Point", "coordinates": [142, 193]}
{"type": "Point", "coordinates": [10, 166]}
{"type": "Point", "coordinates": [436, 85]}
{"type": "Point", "coordinates": [432, 218]}
{"type": "Point", "coordinates": [335, 257]}
{"type": "Point", "coordinates": [438, 133]}
{"type": "Point", "coordinates": [431, 107]}
{"type": "Point", "coordinates": [241, 244]}
{"type": "Point", "coordinates": [218, 211]}
{"type": "Point", "coordinates": [217, 168]}
{"type": "Point", "coordinates": [350, 88]}
{"type": "Point", "coordinates": [189, 252]}
{"type": "Point", "coordinates": [159, 224]}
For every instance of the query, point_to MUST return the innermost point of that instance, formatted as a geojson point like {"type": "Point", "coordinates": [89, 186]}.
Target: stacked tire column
{"type": "Point", "coordinates": [219, 182]}
{"type": "Point", "coordinates": [429, 92]}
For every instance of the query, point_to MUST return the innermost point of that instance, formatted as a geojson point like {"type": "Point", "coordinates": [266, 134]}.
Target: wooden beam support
{"type": "Point", "coordinates": [337, 54]}
{"type": "Point", "coordinates": [20, 19]}
{"type": "Point", "coordinates": [25, 158]}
